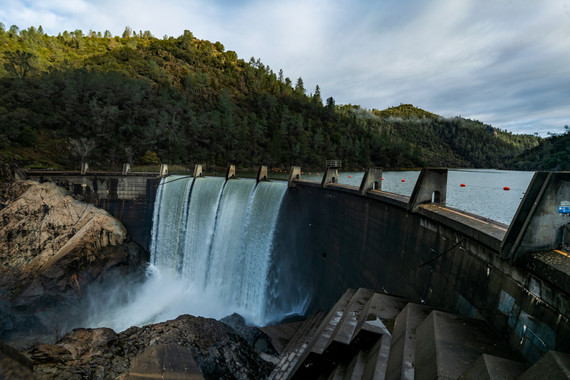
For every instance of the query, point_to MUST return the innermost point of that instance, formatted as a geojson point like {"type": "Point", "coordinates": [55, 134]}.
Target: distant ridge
{"type": "Point", "coordinates": [405, 111]}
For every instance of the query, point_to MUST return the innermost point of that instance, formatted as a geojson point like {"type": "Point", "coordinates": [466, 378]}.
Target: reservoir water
{"type": "Point", "coordinates": [483, 193]}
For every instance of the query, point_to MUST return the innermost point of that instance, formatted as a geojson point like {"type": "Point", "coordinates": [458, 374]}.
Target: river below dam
{"type": "Point", "coordinates": [212, 251]}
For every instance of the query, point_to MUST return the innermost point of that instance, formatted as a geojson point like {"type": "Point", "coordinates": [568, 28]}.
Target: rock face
{"type": "Point", "coordinates": [52, 248]}
{"type": "Point", "coordinates": [101, 353]}
{"type": "Point", "coordinates": [256, 338]}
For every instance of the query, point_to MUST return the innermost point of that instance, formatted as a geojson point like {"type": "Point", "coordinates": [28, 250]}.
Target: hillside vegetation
{"type": "Point", "coordinates": [553, 153]}
{"type": "Point", "coordinates": [140, 99]}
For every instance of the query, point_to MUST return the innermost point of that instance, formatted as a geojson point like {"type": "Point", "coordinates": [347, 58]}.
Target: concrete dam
{"type": "Point", "coordinates": [295, 248]}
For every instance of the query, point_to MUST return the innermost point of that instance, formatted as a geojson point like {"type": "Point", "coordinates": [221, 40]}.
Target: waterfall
{"type": "Point", "coordinates": [216, 236]}
{"type": "Point", "coordinates": [212, 254]}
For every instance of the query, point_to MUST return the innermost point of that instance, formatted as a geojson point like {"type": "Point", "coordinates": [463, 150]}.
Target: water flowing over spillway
{"type": "Point", "coordinates": [211, 254]}
{"type": "Point", "coordinates": [218, 235]}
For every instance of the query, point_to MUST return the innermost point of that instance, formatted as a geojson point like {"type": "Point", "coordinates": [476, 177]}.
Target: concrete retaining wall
{"type": "Point", "coordinates": [340, 239]}
{"type": "Point", "coordinates": [129, 198]}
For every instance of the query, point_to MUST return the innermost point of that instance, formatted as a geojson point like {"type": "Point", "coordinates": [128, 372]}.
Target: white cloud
{"type": "Point", "coordinates": [502, 62]}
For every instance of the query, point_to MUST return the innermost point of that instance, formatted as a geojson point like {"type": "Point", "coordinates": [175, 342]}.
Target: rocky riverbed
{"type": "Point", "coordinates": [219, 352]}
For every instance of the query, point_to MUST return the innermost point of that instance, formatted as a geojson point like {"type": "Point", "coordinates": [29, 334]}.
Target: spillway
{"type": "Point", "coordinates": [216, 237]}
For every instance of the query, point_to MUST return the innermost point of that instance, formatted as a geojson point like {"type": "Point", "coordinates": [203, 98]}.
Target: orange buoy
{"type": "Point", "coordinates": [403, 180]}
{"type": "Point", "coordinates": [317, 173]}
{"type": "Point", "coordinates": [285, 171]}
{"type": "Point", "coordinates": [309, 173]}
{"type": "Point", "coordinates": [506, 188]}
{"type": "Point", "coordinates": [349, 176]}
{"type": "Point", "coordinates": [382, 179]}
{"type": "Point", "coordinates": [462, 185]}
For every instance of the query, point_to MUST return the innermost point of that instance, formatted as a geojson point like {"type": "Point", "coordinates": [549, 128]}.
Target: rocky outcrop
{"type": "Point", "coordinates": [256, 338]}
{"type": "Point", "coordinates": [52, 248]}
{"type": "Point", "coordinates": [101, 353]}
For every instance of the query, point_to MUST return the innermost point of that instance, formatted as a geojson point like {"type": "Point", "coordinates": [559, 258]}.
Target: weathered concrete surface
{"type": "Point", "coordinates": [431, 186]}
{"type": "Point", "coordinates": [553, 365]}
{"type": "Point", "coordinates": [537, 224]}
{"type": "Point", "coordinates": [436, 255]}
{"type": "Point", "coordinates": [489, 367]}
{"type": "Point", "coordinates": [372, 180]}
{"type": "Point", "coordinates": [129, 198]}
{"type": "Point", "coordinates": [448, 344]}
{"type": "Point", "coordinates": [164, 361]}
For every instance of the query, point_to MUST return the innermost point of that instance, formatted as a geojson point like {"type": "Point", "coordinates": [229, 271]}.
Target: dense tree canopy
{"type": "Point", "coordinates": [185, 100]}
{"type": "Point", "coordinates": [552, 153]}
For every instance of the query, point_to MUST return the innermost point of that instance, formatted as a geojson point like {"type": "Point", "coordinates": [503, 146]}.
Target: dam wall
{"type": "Point", "coordinates": [330, 237]}
{"type": "Point", "coordinates": [426, 252]}
{"type": "Point", "coordinates": [128, 197]}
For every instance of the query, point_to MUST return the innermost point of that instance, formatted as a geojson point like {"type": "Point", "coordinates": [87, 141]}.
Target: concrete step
{"type": "Point", "coordinates": [297, 345]}
{"type": "Point", "coordinates": [338, 346]}
{"type": "Point", "coordinates": [338, 373]}
{"type": "Point", "coordinates": [309, 362]}
{"type": "Point", "coordinates": [377, 318]}
{"type": "Point", "coordinates": [489, 367]}
{"type": "Point", "coordinates": [553, 365]}
{"type": "Point", "coordinates": [401, 363]}
{"type": "Point", "coordinates": [345, 328]}
{"type": "Point", "coordinates": [355, 369]}
{"type": "Point", "coordinates": [376, 359]}
{"type": "Point", "coordinates": [331, 321]}
{"type": "Point", "coordinates": [286, 364]}
{"type": "Point", "coordinates": [306, 332]}
{"type": "Point", "coordinates": [448, 344]}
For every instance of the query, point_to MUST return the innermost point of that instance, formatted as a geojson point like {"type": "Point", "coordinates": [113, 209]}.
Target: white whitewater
{"type": "Point", "coordinates": [169, 216]}
{"type": "Point", "coordinates": [227, 234]}
{"type": "Point", "coordinates": [211, 255]}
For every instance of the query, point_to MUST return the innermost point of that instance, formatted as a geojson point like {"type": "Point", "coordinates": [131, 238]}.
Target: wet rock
{"type": "Point", "coordinates": [256, 338]}
{"type": "Point", "coordinates": [100, 353]}
{"type": "Point", "coordinates": [49, 354]}
{"type": "Point", "coordinates": [13, 370]}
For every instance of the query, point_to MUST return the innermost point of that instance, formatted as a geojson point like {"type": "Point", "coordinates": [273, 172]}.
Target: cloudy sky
{"type": "Point", "coordinates": [503, 62]}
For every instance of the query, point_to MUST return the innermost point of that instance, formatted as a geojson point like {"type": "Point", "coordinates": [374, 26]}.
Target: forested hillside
{"type": "Point", "coordinates": [553, 153]}
{"type": "Point", "coordinates": [140, 99]}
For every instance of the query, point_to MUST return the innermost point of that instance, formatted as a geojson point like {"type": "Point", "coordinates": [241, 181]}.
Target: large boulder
{"type": "Point", "coordinates": [52, 248]}
{"type": "Point", "coordinates": [101, 353]}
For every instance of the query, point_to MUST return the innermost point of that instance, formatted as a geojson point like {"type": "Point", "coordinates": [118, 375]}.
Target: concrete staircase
{"type": "Point", "coordinates": [368, 335]}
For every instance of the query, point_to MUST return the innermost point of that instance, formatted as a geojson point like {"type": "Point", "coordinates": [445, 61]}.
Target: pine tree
{"type": "Point", "coordinates": [300, 87]}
